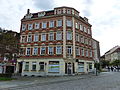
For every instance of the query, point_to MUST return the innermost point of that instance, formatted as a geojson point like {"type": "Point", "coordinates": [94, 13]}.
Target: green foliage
{"type": "Point", "coordinates": [115, 63]}
{"type": "Point", "coordinates": [97, 66]}
{"type": "Point", "coordinates": [5, 79]}
{"type": "Point", "coordinates": [104, 63]}
{"type": "Point", "coordinates": [9, 43]}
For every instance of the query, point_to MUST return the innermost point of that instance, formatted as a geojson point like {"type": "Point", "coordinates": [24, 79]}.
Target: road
{"type": "Point", "coordinates": [105, 81]}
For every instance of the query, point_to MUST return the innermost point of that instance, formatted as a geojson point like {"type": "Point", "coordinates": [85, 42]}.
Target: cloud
{"type": "Point", "coordinates": [44, 4]}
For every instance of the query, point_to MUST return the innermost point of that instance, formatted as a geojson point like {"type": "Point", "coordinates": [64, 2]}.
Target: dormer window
{"type": "Point", "coordinates": [40, 14]}
{"type": "Point", "coordinates": [28, 16]}
{"type": "Point", "coordinates": [68, 11]}
{"type": "Point", "coordinates": [59, 11]}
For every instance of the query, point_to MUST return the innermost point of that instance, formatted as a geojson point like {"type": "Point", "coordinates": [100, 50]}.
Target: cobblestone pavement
{"type": "Point", "coordinates": [105, 81]}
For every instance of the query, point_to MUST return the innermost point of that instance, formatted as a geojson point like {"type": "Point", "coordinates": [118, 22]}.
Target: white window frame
{"type": "Point", "coordinates": [29, 39]}
{"type": "Point", "coordinates": [28, 51]}
{"type": "Point", "coordinates": [82, 52]}
{"type": "Point", "coordinates": [69, 50]}
{"type": "Point", "coordinates": [51, 36]}
{"type": "Point", "coordinates": [77, 37]}
{"type": "Point", "coordinates": [89, 31]}
{"type": "Point", "coordinates": [77, 25]}
{"type": "Point", "coordinates": [36, 37]}
{"type": "Point", "coordinates": [59, 23]}
{"type": "Point", "coordinates": [81, 27]}
{"type": "Point", "coordinates": [43, 37]}
{"type": "Point", "coordinates": [44, 25]}
{"type": "Point", "coordinates": [40, 65]}
{"type": "Point", "coordinates": [69, 35]}
{"type": "Point", "coordinates": [51, 24]}
{"type": "Point", "coordinates": [23, 38]}
{"type": "Point", "coordinates": [85, 30]}
{"type": "Point", "coordinates": [69, 23]}
{"type": "Point", "coordinates": [30, 26]}
{"type": "Point", "coordinates": [58, 49]}
{"type": "Point", "coordinates": [43, 48]}
{"type": "Point", "coordinates": [50, 50]}
{"type": "Point", "coordinates": [23, 27]}
{"type": "Point", "coordinates": [35, 51]}
{"type": "Point", "coordinates": [82, 39]}
{"type": "Point", "coordinates": [58, 35]}
{"type": "Point", "coordinates": [86, 51]}
{"type": "Point", "coordinates": [77, 51]}
{"type": "Point", "coordinates": [37, 25]}
{"type": "Point", "coordinates": [34, 63]}
{"type": "Point", "coordinates": [26, 66]}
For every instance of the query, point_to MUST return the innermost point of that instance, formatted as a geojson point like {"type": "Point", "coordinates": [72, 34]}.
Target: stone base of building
{"type": "Point", "coordinates": [53, 67]}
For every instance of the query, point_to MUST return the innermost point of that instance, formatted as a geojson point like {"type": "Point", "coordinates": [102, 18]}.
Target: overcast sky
{"type": "Point", "coordinates": [104, 15]}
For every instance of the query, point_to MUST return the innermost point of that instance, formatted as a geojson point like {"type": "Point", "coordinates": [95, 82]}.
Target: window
{"type": "Point", "coordinates": [88, 31]}
{"type": "Point", "coordinates": [54, 66]}
{"type": "Point", "coordinates": [41, 66]}
{"type": "Point", "coordinates": [69, 35]}
{"type": "Point", "coordinates": [85, 30]}
{"type": "Point", "coordinates": [59, 11]}
{"type": "Point", "coordinates": [44, 24]}
{"type": "Point", "coordinates": [43, 37]}
{"type": "Point", "coordinates": [51, 36]}
{"type": "Point", "coordinates": [90, 53]}
{"type": "Point", "coordinates": [26, 66]}
{"type": "Point", "coordinates": [37, 25]}
{"type": "Point", "coordinates": [33, 66]}
{"type": "Point", "coordinates": [51, 24]}
{"type": "Point", "coordinates": [90, 42]}
{"type": "Point", "coordinates": [43, 50]}
{"type": "Point", "coordinates": [23, 27]}
{"type": "Point", "coordinates": [68, 11]}
{"type": "Point", "coordinates": [29, 38]}
{"type": "Point", "coordinates": [81, 27]}
{"type": "Point", "coordinates": [58, 50]}
{"type": "Point", "coordinates": [77, 37]}
{"type": "Point", "coordinates": [50, 51]}
{"type": "Point", "coordinates": [69, 23]}
{"type": "Point", "coordinates": [35, 52]}
{"type": "Point", "coordinates": [82, 51]}
{"type": "Point", "coordinates": [59, 35]}
{"type": "Point", "coordinates": [82, 39]}
{"type": "Point", "coordinates": [86, 41]}
{"type": "Point", "coordinates": [77, 51]}
{"type": "Point", "coordinates": [28, 51]}
{"type": "Point", "coordinates": [76, 25]}
{"type": "Point", "coordinates": [69, 50]}
{"type": "Point", "coordinates": [30, 26]}
{"type": "Point", "coordinates": [86, 52]}
{"type": "Point", "coordinates": [36, 37]}
{"type": "Point", "coordinates": [23, 38]}
{"type": "Point", "coordinates": [59, 23]}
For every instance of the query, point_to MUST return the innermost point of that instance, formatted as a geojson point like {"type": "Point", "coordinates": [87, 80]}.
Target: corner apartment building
{"type": "Point", "coordinates": [55, 42]}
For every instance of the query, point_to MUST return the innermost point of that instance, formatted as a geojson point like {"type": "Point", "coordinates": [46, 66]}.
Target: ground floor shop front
{"type": "Point", "coordinates": [53, 67]}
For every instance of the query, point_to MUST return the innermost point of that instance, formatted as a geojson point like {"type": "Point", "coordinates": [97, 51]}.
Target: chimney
{"type": "Point", "coordinates": [28, 11]}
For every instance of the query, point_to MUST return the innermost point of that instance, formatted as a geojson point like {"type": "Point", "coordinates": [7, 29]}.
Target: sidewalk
{"type": "Point", "coordinates": [26, 81]}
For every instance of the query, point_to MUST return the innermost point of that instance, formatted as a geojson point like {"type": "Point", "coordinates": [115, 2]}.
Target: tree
{"type": "Point", "coordinates": [104, 63]}
{"type": "Point", "coordinates": [115, 63]}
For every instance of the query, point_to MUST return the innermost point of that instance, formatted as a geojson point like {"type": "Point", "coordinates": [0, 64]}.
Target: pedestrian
{"type": "Point", "coordinates": [112, 68]}
{"type": "Point", "coordinates": [108, 69]}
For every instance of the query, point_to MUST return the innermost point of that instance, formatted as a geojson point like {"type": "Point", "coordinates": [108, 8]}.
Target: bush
{"type": "Point", "coordinates": [6, 75]}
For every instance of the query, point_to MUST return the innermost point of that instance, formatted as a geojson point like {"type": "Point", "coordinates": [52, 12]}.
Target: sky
{"type": "Point", "coordinates": [103, 15]}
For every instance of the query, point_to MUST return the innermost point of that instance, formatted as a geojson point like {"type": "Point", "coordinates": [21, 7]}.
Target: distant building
{"type": "Point", "coordinates": [96, 50]}
{"type": "Point", "coordinates": [8, 50]}
{"type": "Point", "coordinates": [113, 54]}
{"type": "Point", "coordinates": [56, 42]}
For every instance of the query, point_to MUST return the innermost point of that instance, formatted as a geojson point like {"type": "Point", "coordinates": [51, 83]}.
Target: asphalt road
{"type": "Point", "coordinates": [105, 81]}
